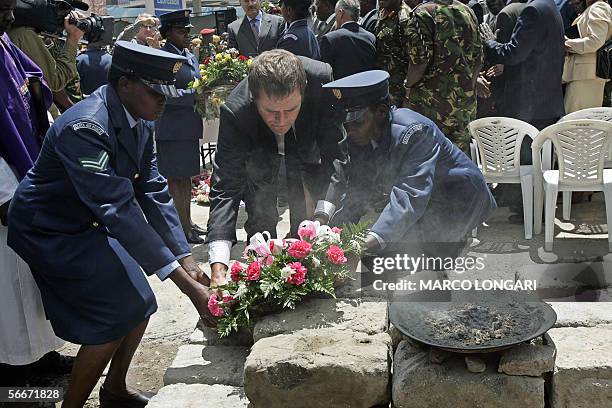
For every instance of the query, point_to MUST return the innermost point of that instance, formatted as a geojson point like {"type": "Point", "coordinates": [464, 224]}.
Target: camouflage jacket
{"type": "Point", "coordinates": [392, 47]}
{"type": "Point", "coordinates": [444, 35]}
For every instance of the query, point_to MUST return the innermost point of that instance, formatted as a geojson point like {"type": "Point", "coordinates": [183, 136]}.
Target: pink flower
{"type": "Point", "coordinates": [213, 306]}
{"type": "Point", "coordinates": [229, 299]}
{"type": "Point", "coordinates": [336, 255]}
{"type": "Point", "coordinates": [237, 268]}
{"type": "Point", "coordinates": [308, 229]}
{"type": "Point", "coordinates": [299, 273]}
{"type": "Point", "coordinates": [277, 246]}
{"type": "Point", "coordinates": [337, 230]}
{"type": "Point", "coordinates": [253, 271]}
{"type": "Point", "coordinates": [299, 249]}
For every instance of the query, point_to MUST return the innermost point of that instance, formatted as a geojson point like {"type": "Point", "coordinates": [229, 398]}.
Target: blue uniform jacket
{"type": "Point", "coordinates": [95, 177]}
{"type": "Point", "coordinates": [430, 191]}
{"type": "Point", "coordinates": [300, 40]}
{"type": "Point", "coordinates": [180, 121]}
{"type": "Point", "coordinates": [93, 67]}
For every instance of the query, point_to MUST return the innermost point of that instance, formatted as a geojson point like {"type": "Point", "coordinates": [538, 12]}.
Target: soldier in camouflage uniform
{"type": "Point", "coordinates": [445, 57]}
{"type": "Point", "coordinates": [392, 47]}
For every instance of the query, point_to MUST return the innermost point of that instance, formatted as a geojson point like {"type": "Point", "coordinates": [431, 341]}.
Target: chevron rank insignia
{"type": "Point", "coordinates": [97, 164]}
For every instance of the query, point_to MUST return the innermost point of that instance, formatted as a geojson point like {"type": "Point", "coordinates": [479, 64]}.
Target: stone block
{"type": "Point", "coordinates": [582, 314]}
{"type": "Point", "coordinates": [196, 364]}
{"type": "Point", "coordinates": [419, 383]}
{"type": "Point", "coordinates": [358, 315]}
{"type": "Point", "coordinates": [199, 396]}
{"type": "Point", "coordinates": [323, 368]}
{"type": "Point", "coordinates": [208, 337]}
{"type": "Point", "coordinates": [533, 359]}
{"type": "Point", "coordinates": [583, 367]}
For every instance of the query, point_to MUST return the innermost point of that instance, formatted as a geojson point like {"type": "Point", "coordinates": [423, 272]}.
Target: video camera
{"type": "Point", "coordinates": [48, 16]}
{"type": "Point", "coordinates": [96, 28]}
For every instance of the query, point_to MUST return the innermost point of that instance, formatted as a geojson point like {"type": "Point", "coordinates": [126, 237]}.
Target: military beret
{"type": "Point", "coordinates": [355, 93]}
{"type": "Point", "coordinates": [207, 31]}
{"type": "Point", "coordinates": [155, 68]}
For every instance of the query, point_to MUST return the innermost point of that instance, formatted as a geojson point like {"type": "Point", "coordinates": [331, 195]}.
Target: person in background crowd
{"type": "Point", "coordinates": [432, 194]}
{"type": "Point", "coordinates": [490, 83]}
{"type": "Point", "coordinates": [298, 38]}
{"type": "Point", "coordinates": [392, 45]}
{"type": "Point", "coordinates": [206, 48]}
{"type": "Point", "coordinates": [350, 48]}
{"type": "Point", "coordinates": [71, 93]}
{"type": "Point", "coordinates": [326, 17]}
{"type": "Point", "coordinates": [533, 65]}
{"type": "Point", "coordinates": [506, 20]}
{"type": "Point", "coordinates": [178, 130]}
{"type": "Point", "coordinates": [57, 71]}
{"type": "Point", "coordinates": [478, 7]}
{"type": "Point", "coordinates": [279, 110]}
{"type": "Point", "coordinates": [27, 341]}
{"type": "Point", "coordinates": [93, 66]}
{"type": "Point", "coordinates": [256, 32]}
{"type": "Point", "coordinates": [583, 88]}
{"type": "Point", "coordinates": [445, 57]}
{"type": "Point", "coordinates": [494, 7]}
{"type": "Point", "coordinates": [143, 31]}
{"type": "Point", "coordinates": [368, 15]}
{"type": "Point", "coordinates": [569, 10]}
{"type": "Point", "coordinates": [93, 213]}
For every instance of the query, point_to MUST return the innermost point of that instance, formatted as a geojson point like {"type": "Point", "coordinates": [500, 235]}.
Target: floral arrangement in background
{"type": "Point", "coordinates": [279, 273]}
{"type": "Point", "coordinates": [200, 188]}
{"type": "Point", "coordinates": [271, 8]}
{"type": "Point", "coordinates": [220, 74]}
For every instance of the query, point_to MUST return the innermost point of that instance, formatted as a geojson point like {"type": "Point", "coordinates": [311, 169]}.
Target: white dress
{"type": "Point", "coordinates": [25, 333]}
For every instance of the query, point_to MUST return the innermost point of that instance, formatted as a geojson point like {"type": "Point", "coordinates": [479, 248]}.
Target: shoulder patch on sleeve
{"type": "Point", "coordinates": [292, 36]}
{"type": "Point", "coordinates": [410, 131]}
{"type": "Point", "coordinates": [89, 126]}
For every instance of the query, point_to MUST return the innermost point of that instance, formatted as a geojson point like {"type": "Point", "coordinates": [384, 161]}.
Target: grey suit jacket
{"type": "Point", "coordinates": [241, 37]}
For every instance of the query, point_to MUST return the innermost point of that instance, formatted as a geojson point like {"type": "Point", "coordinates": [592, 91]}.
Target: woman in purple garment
{"type": "Point", "coordinates": [25, 334]}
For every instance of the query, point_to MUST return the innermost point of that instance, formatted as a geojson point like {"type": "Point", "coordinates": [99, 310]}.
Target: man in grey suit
{"type": "Point", "coordinates": [256, 32]}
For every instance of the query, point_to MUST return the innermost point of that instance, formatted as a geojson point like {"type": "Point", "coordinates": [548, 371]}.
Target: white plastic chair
{"type": "Point", "coordinates": [497, 152]}
{"type": "Point", "coordinates": [581, 146]}
{"type": "Point", "coordinates": [590, 113]}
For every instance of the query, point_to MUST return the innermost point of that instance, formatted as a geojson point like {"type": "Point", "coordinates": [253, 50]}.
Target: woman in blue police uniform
{"type": "Point", "coordinates": [298, 38]}
{"type": "Point", "coordinates": [94, 212]}
{"type": "Point", "coordinates": [178, 130]}
{"type": "Point", "coordinates": [430, 195]}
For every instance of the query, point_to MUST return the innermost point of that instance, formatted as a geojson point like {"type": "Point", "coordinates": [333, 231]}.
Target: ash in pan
{"type": "Point", "coordinates": [479, 325]}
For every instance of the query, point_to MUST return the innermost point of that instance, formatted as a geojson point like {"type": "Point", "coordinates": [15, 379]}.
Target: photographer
{"type": "Point", "coordinates": [57, 72]}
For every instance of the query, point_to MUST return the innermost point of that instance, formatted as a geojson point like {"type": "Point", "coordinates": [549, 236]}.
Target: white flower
{"type": "Point", "coordinates": [286, 272]}
{"type": "Point", "coordinates": [242, 290]}
{"type": "Point", "coordinates": [316, 262]}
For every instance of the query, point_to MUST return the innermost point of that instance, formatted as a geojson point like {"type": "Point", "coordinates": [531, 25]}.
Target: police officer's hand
{"type": "Point", "coordinates": [197, 293]}
{"type": "Point", "coordinates": [74, 34]}
{"type": "Point", "coordinates": [4, 213]}
{"type": "Point", "coordinates": [194, 271]}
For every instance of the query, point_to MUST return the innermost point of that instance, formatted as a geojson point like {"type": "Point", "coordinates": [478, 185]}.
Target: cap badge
{"type": "Point", "coordinates": [177, 67]}
{"type": "Point", "coordinates": [337, 93]}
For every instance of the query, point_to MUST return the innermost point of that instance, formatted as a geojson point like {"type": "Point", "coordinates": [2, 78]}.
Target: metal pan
{"type": "Point", "coordinates": [410, 319]}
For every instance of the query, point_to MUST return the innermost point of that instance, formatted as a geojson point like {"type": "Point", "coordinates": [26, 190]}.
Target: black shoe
{"type": "Point", "coordinates": [193, 238]}
{"type": "Point", "coordinates": [54, 363]}
{"type": "Point", "coordinates": [110, 400]}
{"type": "Point", "coordinates": [199, 230]}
